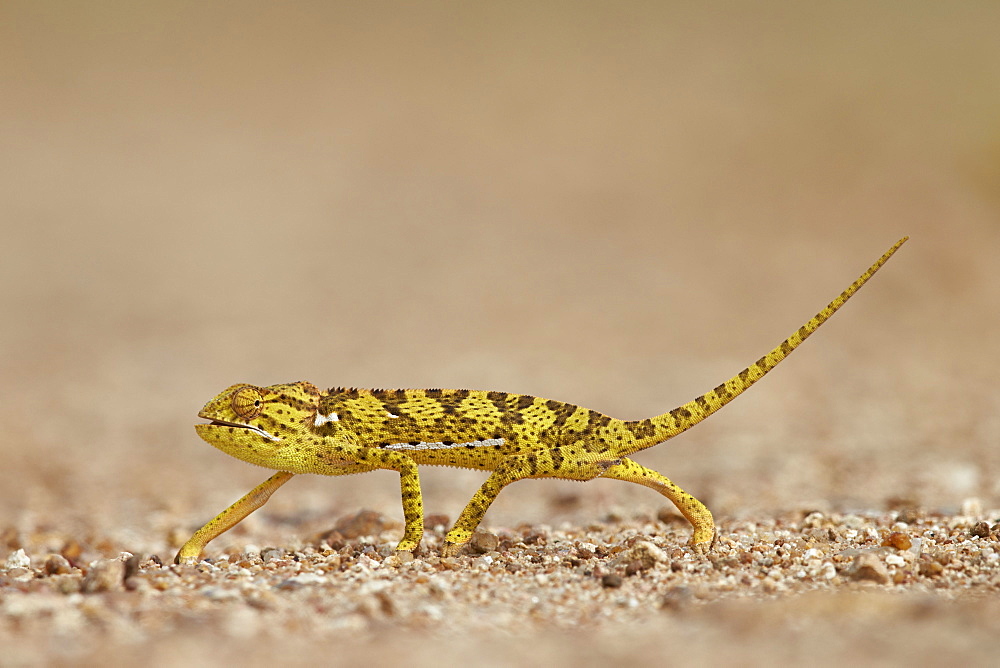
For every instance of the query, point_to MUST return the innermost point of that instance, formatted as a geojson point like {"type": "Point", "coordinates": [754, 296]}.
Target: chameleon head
{"type": "Point", "coordinates": [261, 425]}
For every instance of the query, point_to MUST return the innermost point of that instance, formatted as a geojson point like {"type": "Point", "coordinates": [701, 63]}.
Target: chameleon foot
{"type": "Point", "coordinates": [189, 554]}
{"type": "Point", "coordinates": [704, 547]}
{"type": "Point", "coordinates": [451, 549]}
{"type": "Point", "coordinates": [408, 545]}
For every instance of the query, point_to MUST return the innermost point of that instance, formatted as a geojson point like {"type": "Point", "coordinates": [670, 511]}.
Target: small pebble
{"type": "Point", "coordinates": [898, 540]}
{"type": "Point", "coordinates": [272, 554]}
{"type": "Point", "coordinates": [868, 567]}
{"type": "Point", "coordinates": [302, 579]}
{"type": "Point", "coordinates": [633, 567]}
{"type": "Point", "coordinates": [611, 580]}
{"type": "Point", "coordinates": [894, 560]}
{"type": "Point", "coordinates": [908, 514]}
{"type": "Point", "coordinates": [980, 530]}
{"type": "Point", "coordinates": [483, 542]}
{"type": "Point", "coordinates": [18, 559]}
{"type": "Point", "coordinates": [363, 523]}
{"type": "Point", "coordinates": [104, 575]}
{"type": "Point", "coordinates": [930, 568]}
{"type": "Point", "coordinates": [72, 550]}
{"type": "Point", "coordinates": [645, 553]}
{"type": "Point", "coordinates": [131, 565]}
{"type": "Point", "coordinates": [56, 564]}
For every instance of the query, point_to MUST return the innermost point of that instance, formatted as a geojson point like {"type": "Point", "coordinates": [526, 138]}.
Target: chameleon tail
{"type": "Point", "coordinates": [655, 430]}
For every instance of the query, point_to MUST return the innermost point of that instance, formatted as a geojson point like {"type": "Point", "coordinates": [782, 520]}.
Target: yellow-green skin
{"type": "Point", "coordinates": [296, 428]}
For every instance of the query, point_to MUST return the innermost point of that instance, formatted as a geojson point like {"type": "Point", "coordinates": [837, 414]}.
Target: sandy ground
{"type": "Point", "coordinates": [617, 206]}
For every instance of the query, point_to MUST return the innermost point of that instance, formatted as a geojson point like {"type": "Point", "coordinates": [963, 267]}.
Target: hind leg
{"type": "Point", "coordinates": [510, 470]}
{"type": "Point", "coordinates": [539, 464]}
{"type": "Point", "coordinates": [691, 508]}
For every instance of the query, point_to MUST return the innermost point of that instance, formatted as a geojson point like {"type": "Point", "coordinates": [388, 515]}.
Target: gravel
{"type": "Point", "coordinates": [553, 587]}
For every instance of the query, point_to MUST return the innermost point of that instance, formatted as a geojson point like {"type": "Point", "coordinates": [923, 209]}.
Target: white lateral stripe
{"type": "Point", "coordinates": [323, 419]}
{"type": "Point", "coordinates": [486, 443]}
{"type": "Point", "coordinates": [265, 434]}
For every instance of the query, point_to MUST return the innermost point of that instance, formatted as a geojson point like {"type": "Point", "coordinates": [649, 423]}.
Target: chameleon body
{"type": "Point", "coordinates": [297, 428]}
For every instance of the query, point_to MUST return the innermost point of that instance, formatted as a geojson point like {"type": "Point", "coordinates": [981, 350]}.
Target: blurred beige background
{"type": "Point", "coordinates": [617, 205]}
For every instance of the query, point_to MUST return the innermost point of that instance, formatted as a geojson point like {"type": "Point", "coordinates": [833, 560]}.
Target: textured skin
{"type": "Point", "coordinates": [296, 428]}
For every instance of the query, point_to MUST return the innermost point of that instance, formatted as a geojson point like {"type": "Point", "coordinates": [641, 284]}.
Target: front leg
{"type": "Point", "coordinates": [409, 491]}
{"type": "Point", "coordinates": [190, 552]}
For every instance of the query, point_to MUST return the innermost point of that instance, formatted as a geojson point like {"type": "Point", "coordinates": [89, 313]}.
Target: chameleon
{"type": "Point", "coordinates": [296, 428]}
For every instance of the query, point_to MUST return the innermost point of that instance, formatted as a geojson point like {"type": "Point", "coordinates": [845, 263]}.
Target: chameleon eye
{"type": "Point", "coordinates": [247, 403]}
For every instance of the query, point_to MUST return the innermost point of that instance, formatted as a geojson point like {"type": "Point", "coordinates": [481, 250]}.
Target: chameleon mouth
{"type": "Point", "coordinates": [223, 423]}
